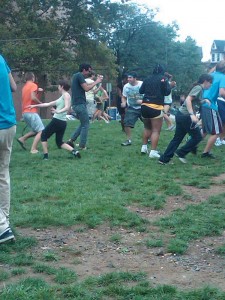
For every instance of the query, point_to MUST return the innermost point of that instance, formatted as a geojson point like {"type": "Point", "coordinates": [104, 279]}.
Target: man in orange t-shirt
{"type": "Point", "coordinates": [30, 93]}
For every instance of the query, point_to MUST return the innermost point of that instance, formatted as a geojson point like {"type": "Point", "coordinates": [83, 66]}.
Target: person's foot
{"type": "Point", "coordinates": [76, 153]}
{"type": "Point", "coordinates": [165, 163]}
{"type": "Point", "coordinates": [207, 155]}
{"type": "Point", "coordinates": [70, 143]}
{"type": "Point", "coordinates": [21, 144]}
{"type": "Point", "coordinates": [154, 154]}
{"type": "Point", "coordinates": [182, 159]}
{"type": "Point", "coordinates": [45, 156]}
{"type": "Point", "coordinates": [34, 151]}
{"type": "Point", "coordinates": [81, 148]}
{"type": "Point", "coordinates": [194, 151]}
{"type": "Point", "coordinates": [126, 143]}
{"type": "Point", "coordinates": [144, 149]}
{"type": "Point", "coordinates": [7, 235]}
{"type": "Point", "coordinates": [218, 142]}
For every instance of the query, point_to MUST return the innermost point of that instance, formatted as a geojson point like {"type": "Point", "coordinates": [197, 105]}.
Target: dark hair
{"type": "Point", "coordinates": [64, 84]}
{"type": "Point", "coordinates": [159, 69]}
{"type": "Point", "coordinates": [201, 79]}
{"type": "Point", "coordinates": [85, 67]}
{"type": "Point", "coordinates": [29, 76]}
{"type": "Point", "coordinates": [220, 67]}
{"type": "Point", "coordinates": [205, 77]}
{"type": "Point", "coordinates": [132, 74]}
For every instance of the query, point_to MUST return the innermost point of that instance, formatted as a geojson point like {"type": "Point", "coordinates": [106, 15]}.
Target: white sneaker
{"type": "Point", "coordinates": [218, 142]}
{"type": "Point", "coordinates": [144, 149]}
{"type": "Point", "coordinates": [154, 154]}
{"type": "Point", "coordinates": [222, 142]}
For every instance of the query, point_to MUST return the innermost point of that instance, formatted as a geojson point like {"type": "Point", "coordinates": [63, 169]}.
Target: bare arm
{"type": "Point", "coordinates": [189, 106]}
{"type": "Point", "coordinates": [47, 104]}
{"type": "Point", "coordinates": [35, 98]}
{"type": "Point", "coordinates": [67, 101]}
{"type": "Point", "coordinates": [124, 101]}
{"type": "Point", "coordinates": [12, 83]}
{"type": "Point", "coordinates": [222, 92]}
{"type": "Point", "coordinates": [88, 87]}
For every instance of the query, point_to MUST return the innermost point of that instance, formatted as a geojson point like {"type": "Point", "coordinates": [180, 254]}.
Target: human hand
{"type": "Point", "coordinates": [123, 104]}
{"type": "Point", "coordinates": [173, 84]}
{"type": "Point", "coordinates": [194, 119]}
{"type": "Point", "coordinates": [40, 90]}
{"type": "Point", "coordinates": [99, 78]}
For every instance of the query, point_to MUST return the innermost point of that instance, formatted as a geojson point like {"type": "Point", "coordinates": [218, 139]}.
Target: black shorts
{"type": "Point", "coordinates": [150, 113]}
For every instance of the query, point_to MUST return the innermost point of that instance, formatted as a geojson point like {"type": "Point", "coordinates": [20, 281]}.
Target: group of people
{"type": "Point", "coordinates": [30, 102]}
{"type": "Point", "coordinates": [143, 100]}
{"type": "Point", "coordinates": [150, 101]}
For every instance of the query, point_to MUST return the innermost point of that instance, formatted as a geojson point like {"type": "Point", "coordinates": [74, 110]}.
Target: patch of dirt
{"type": "Point", "coordinates": [92, 252]}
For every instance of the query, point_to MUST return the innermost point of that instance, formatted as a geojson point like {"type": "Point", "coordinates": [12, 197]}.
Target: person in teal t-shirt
{"type": "Point", "coordinates": [7, 133]}
{"type": "Point", "coordinates": [209, 111]}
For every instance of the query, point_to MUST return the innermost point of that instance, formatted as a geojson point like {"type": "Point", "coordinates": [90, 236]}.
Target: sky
{"type": "Point", "coordinates": [202, 20]}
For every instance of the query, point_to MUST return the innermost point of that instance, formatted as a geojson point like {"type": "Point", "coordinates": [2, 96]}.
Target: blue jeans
{"type": "Point", "coordinates": [82, 130]}
{"type": "Point", "coordinates": [183, 126]}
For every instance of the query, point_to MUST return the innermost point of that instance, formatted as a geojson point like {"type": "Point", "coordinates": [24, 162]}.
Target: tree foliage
{"type": "Point", "coordinates": [53, 37]}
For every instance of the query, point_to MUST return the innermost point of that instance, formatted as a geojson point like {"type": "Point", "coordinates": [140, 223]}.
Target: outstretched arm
{"type": "Point", "coordinates": [52, 103]}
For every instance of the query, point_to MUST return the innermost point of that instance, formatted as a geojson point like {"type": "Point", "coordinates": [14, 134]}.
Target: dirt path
{"type": "Point", "coordinates": [92, 252]}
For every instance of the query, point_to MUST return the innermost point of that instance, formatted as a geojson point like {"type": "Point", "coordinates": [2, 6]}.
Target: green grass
{"type": "Point", "coordinates": [97, 190]}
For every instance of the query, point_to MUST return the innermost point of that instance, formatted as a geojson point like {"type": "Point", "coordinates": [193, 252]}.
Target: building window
{"type": "Point", "coordinates": [218, 57]}
{"type": "Point", "coordinates": [213, 57]}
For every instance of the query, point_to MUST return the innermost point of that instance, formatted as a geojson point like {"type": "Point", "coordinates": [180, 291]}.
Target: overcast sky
{"type": "Point", "coordinates": [203, 20]}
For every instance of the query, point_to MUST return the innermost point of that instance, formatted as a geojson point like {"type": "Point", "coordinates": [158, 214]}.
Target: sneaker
{"type": "Point", "coordinates": [34, 151]}
{"type": "Point", "coordinates": [182, 159]}
{"type": "Point", "coordinates": [222, 142]}
{"type": "Point", "coordinates": [45, 156]}
{"type": "Point", "coordinates": [194, 150]}
{"type": "Point", "coordinates": [70, 143]}
{"type": "Point", "coordinates": [144, 149]}
{"type": "Point", "coordinates": [165, 163]}
{"type": "Point", "coordinates": [207, 155]}
{"type": "Point", "coordinates": [76, 153]}
{"type": "Point", "coordinates": [154, 154]}
{"type": "Point", "coordinates": [81, 148]}
{"type": "Point", "coordinates": [126, 143]}
{"type": "Point", "coordinates": [218, 142]}
{"type": "Point", "coordinates": [7, 235]}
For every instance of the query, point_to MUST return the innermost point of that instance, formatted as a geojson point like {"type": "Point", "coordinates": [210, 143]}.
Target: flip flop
{"type": "Point", "coordinates": [21, 144]}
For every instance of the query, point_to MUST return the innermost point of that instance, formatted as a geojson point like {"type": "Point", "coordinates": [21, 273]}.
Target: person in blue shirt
{"type": "Point", "coordinates": [209, 110]}
{"type": "Point", "coordinates": [7, 133]}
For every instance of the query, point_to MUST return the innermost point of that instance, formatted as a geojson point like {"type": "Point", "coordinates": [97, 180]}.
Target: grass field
{"type": "Point", "coordinates": [96, 190]}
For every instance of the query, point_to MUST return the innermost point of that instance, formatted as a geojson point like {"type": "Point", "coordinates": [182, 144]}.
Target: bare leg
{"type": "Point", "coordinates": [36, 141]}
{"type": "Point", "coordinates": [66, 147]}
{"type": "Point", "coordinates": [128, 132]}
{"type": "Point", "coordinates": [166, 117]}
{"type": "Point", "coordinates": [28, 135]}
{"type": "Point", "coordinates": [156, 128]}
{"type": "Point", "coordinates": [210, 143]}
{"type": "Point", "coordinates": [45, 147]}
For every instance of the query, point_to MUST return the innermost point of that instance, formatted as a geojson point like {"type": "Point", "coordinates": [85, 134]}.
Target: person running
{"type": "Point", "coordinates": [131, 98]}
{"type": "Point", "coordinates": [211, 121]}
{"type": "Point", "coordinates": [79, 105]}
{"type": "Point", "coordinates": [30, 95]}
{"type": "Point", "coordinates": [154, 88]}
{"type": "Point", "coordinates": [186, 122]}
{"type": "Point", "coordinates": [58, 123]}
